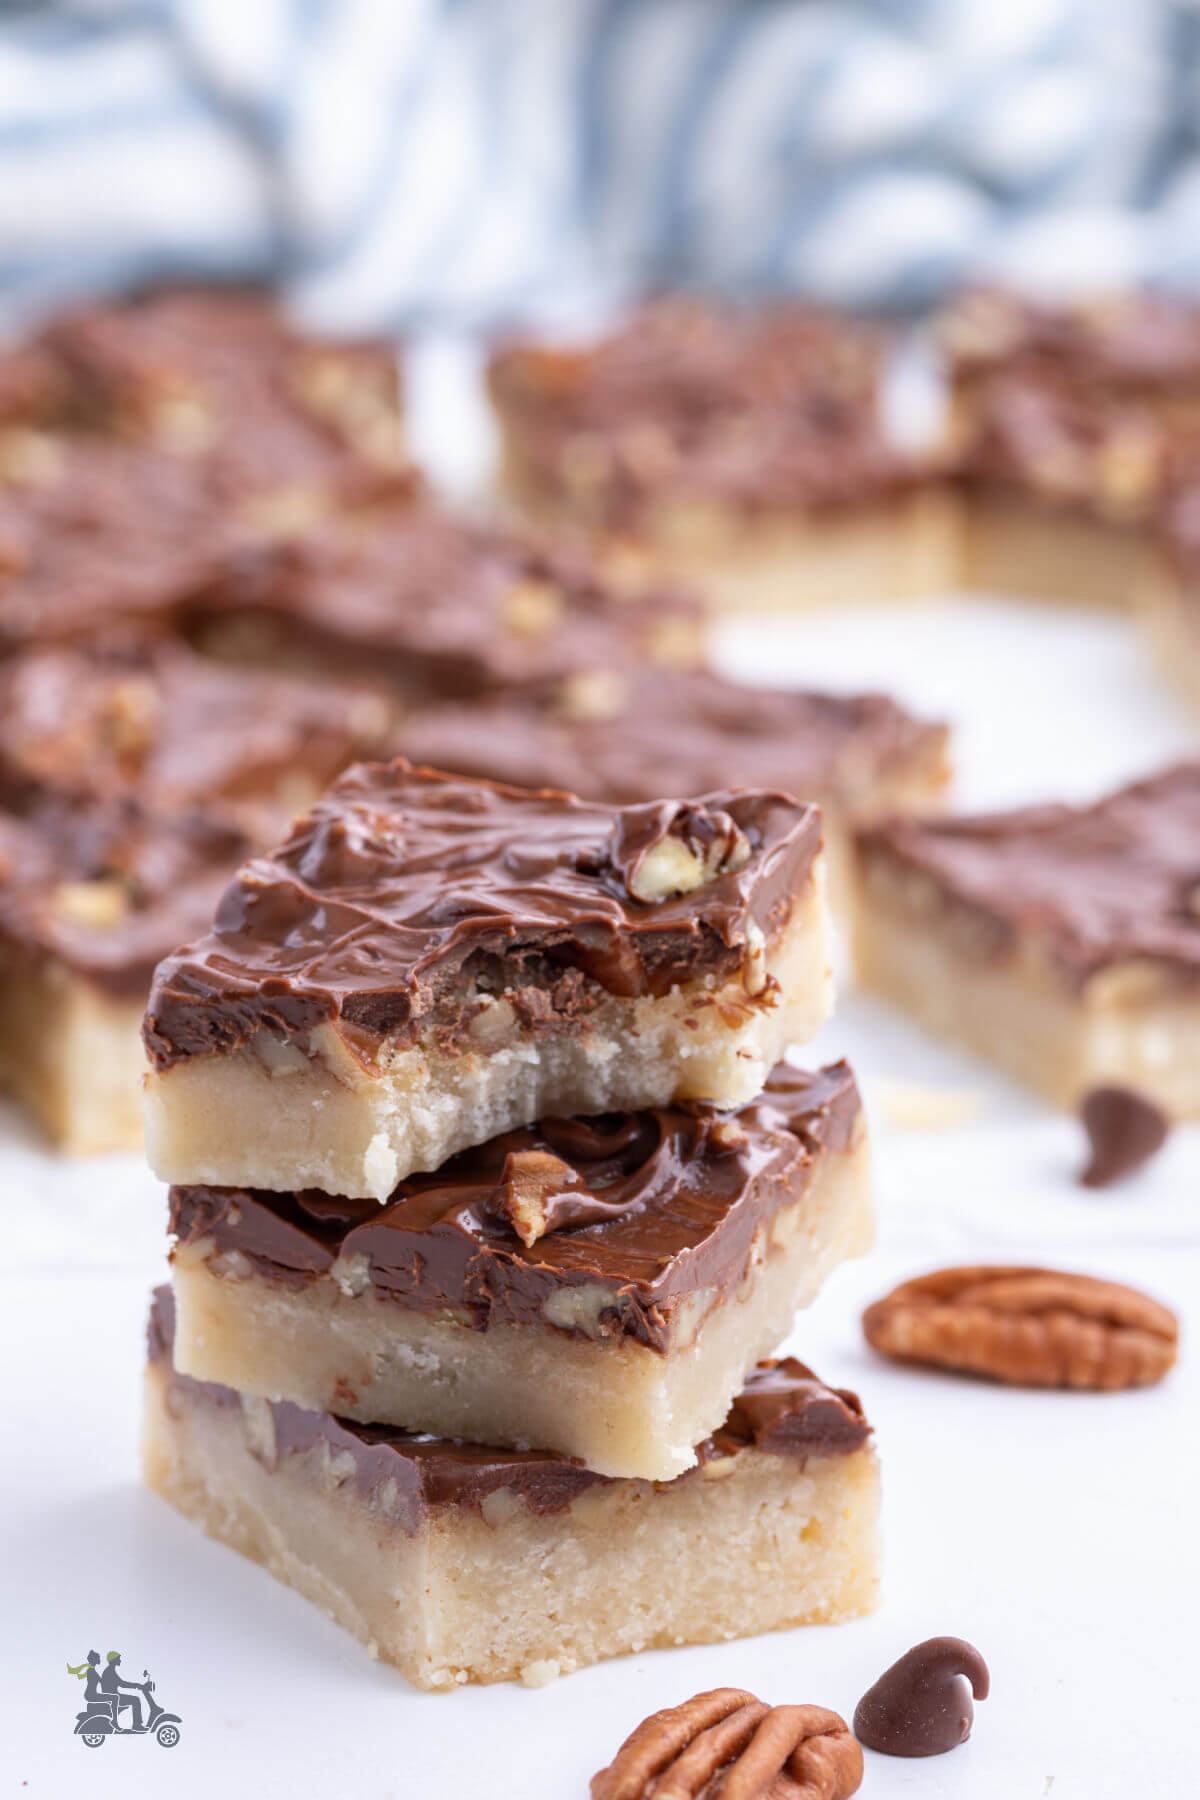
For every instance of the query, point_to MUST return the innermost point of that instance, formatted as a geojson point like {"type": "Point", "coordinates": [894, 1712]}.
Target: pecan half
{"type": "Point", "coordinates": [1029, 1327]}
{"type": "Point", "coordinates": [728, 1743]}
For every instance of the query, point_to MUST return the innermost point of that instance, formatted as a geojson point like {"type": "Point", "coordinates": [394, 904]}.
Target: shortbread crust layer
{"type": "Point", "coordinates": [71, 1054]}
{"type": "Point", "coordinates": [905, 547]}
{"type": "Point", "coordinates": [1015, 543]}
{"type": "Point", "coordinates": [429, 962]}
{"type": "Point", "coordinates": [688, 1240]}
{"type": "Point", "coordinates": [461, 1565]}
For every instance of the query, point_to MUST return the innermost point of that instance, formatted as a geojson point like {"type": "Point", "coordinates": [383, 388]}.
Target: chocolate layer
{"type": "Point", "coordinates": [143, 442]}
{"type": "Point", "coordinates": [104, 719]}
{"type": "Point", "coordinates": [407, 898]}
{"type": "Point", "coordinates": [218, 376]}
{"type": "Point", "coordinates": [680, 732]}
{"type": "Point", "coordinates": [1079, 405]}
{"type": "Point", "coordinates": [682, 1193]}
{"type": "Point", "coordinates": [436, 607]}
{"type": "Point", "coordinates": [106, 886]}
{"type": "Point", "coordinates": [784, 1410]}
{"type": "Point", "coordinates": [134, 778]}
{"type": "Point", "coordinates": [95, 534]}
{"type": "Point", "coordinates": [749, 407]}
{"type": "Point", "coordinates": [1136, 342]}
{"type": "Point", "coordinates": [1097, 885]}
{"type": "Point", "coordinates": [1066, 447]}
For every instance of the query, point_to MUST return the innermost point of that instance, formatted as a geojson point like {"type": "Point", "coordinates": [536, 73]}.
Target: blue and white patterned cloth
{"type": "Point", "coordinates": [401, 160]}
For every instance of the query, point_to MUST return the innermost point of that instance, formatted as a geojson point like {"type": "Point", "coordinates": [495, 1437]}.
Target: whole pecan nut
{"type": "Point", "coordinates": [1028, 1327]}
{"type": "Point", "coordinates": [728, 1743]}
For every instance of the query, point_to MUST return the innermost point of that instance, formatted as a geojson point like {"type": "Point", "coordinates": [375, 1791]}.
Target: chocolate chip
{"type": "Point", "coordinates": [1124, 1130]}
{"type": "Point", "coordinates": [921, 1706]}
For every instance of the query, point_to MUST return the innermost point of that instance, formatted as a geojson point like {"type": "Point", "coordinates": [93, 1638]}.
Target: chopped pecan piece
{"type": "Point", "coordinates": [99, 905]}
{"type": "Point", "coordinates": [593, 694]}
{"type": "Point", "coordinates": [540, 1193]}
{"type": "Point", "coordinates": [532, 1180]}
{"type": "Point", "coordinates": [728, 1742]}
{"type": "Point", "coordinates": [1028, 1327]}
{"type": "Point", "coordinates": [665, 849]}
{"type": "Point", "coordinates": [532, 608]}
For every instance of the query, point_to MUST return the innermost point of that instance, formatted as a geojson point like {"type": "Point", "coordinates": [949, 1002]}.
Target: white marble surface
{"type": "Point", "coordinates": [1055, 1531]}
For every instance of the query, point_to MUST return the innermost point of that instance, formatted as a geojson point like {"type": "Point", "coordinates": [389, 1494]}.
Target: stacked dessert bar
{"type": "Point", "coordinates": [491, 1190]}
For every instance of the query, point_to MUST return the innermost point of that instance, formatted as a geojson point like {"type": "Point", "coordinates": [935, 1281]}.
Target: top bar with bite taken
{"type": "Point", "coordinates": [427, 962]}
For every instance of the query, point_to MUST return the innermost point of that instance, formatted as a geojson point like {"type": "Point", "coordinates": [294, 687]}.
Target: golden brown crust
{"type": "Point", "coordinates": [1027, 1327]}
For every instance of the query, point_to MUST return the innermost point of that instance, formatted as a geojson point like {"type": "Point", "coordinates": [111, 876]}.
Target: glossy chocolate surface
{"type": "Point", "coordinates": [784, 1410]}
{"type": "Point", "coordinates": [753, 408]}
{"type": "Point", "coordinates": [100, 534]}
{"type": "Point", "coordinates": [685, 1190]}
{"type": "Point", "coordinates": [677, 732]}
{"type": "Point", "coordinates": [1097, 884]}
{"type": "Point", "coordinates": [437, 606]}
{"type": "Point", "coordinates": [405, 897]}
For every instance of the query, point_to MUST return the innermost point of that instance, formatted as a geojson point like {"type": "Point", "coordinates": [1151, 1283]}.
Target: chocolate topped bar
{"type": "Point", "coordinates": [646, 732]}
{"type": "Point", "coordinates": [436, 606]}
{"type": "Point", "coordinates": [220, 373]}
{"type": "Point", "coordinates": [119, 716]}
{"type": "Point", "coordinates": [651, 1206]}
{"type": "Point", "coordinates": [407, 900]}
{"type": "Point", "coordinates": [783, 1410]}
{"type": "Point", "coordinates": [751, 407]}
{"type": "Point", "coordinates": [1098, 885]}
{"type": "Point", "coordinates": [106, 887]}
{"type": "Point", "coordinates": [1079, 405]}
{"type": "Point", "coordinates": [1136, 342]}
